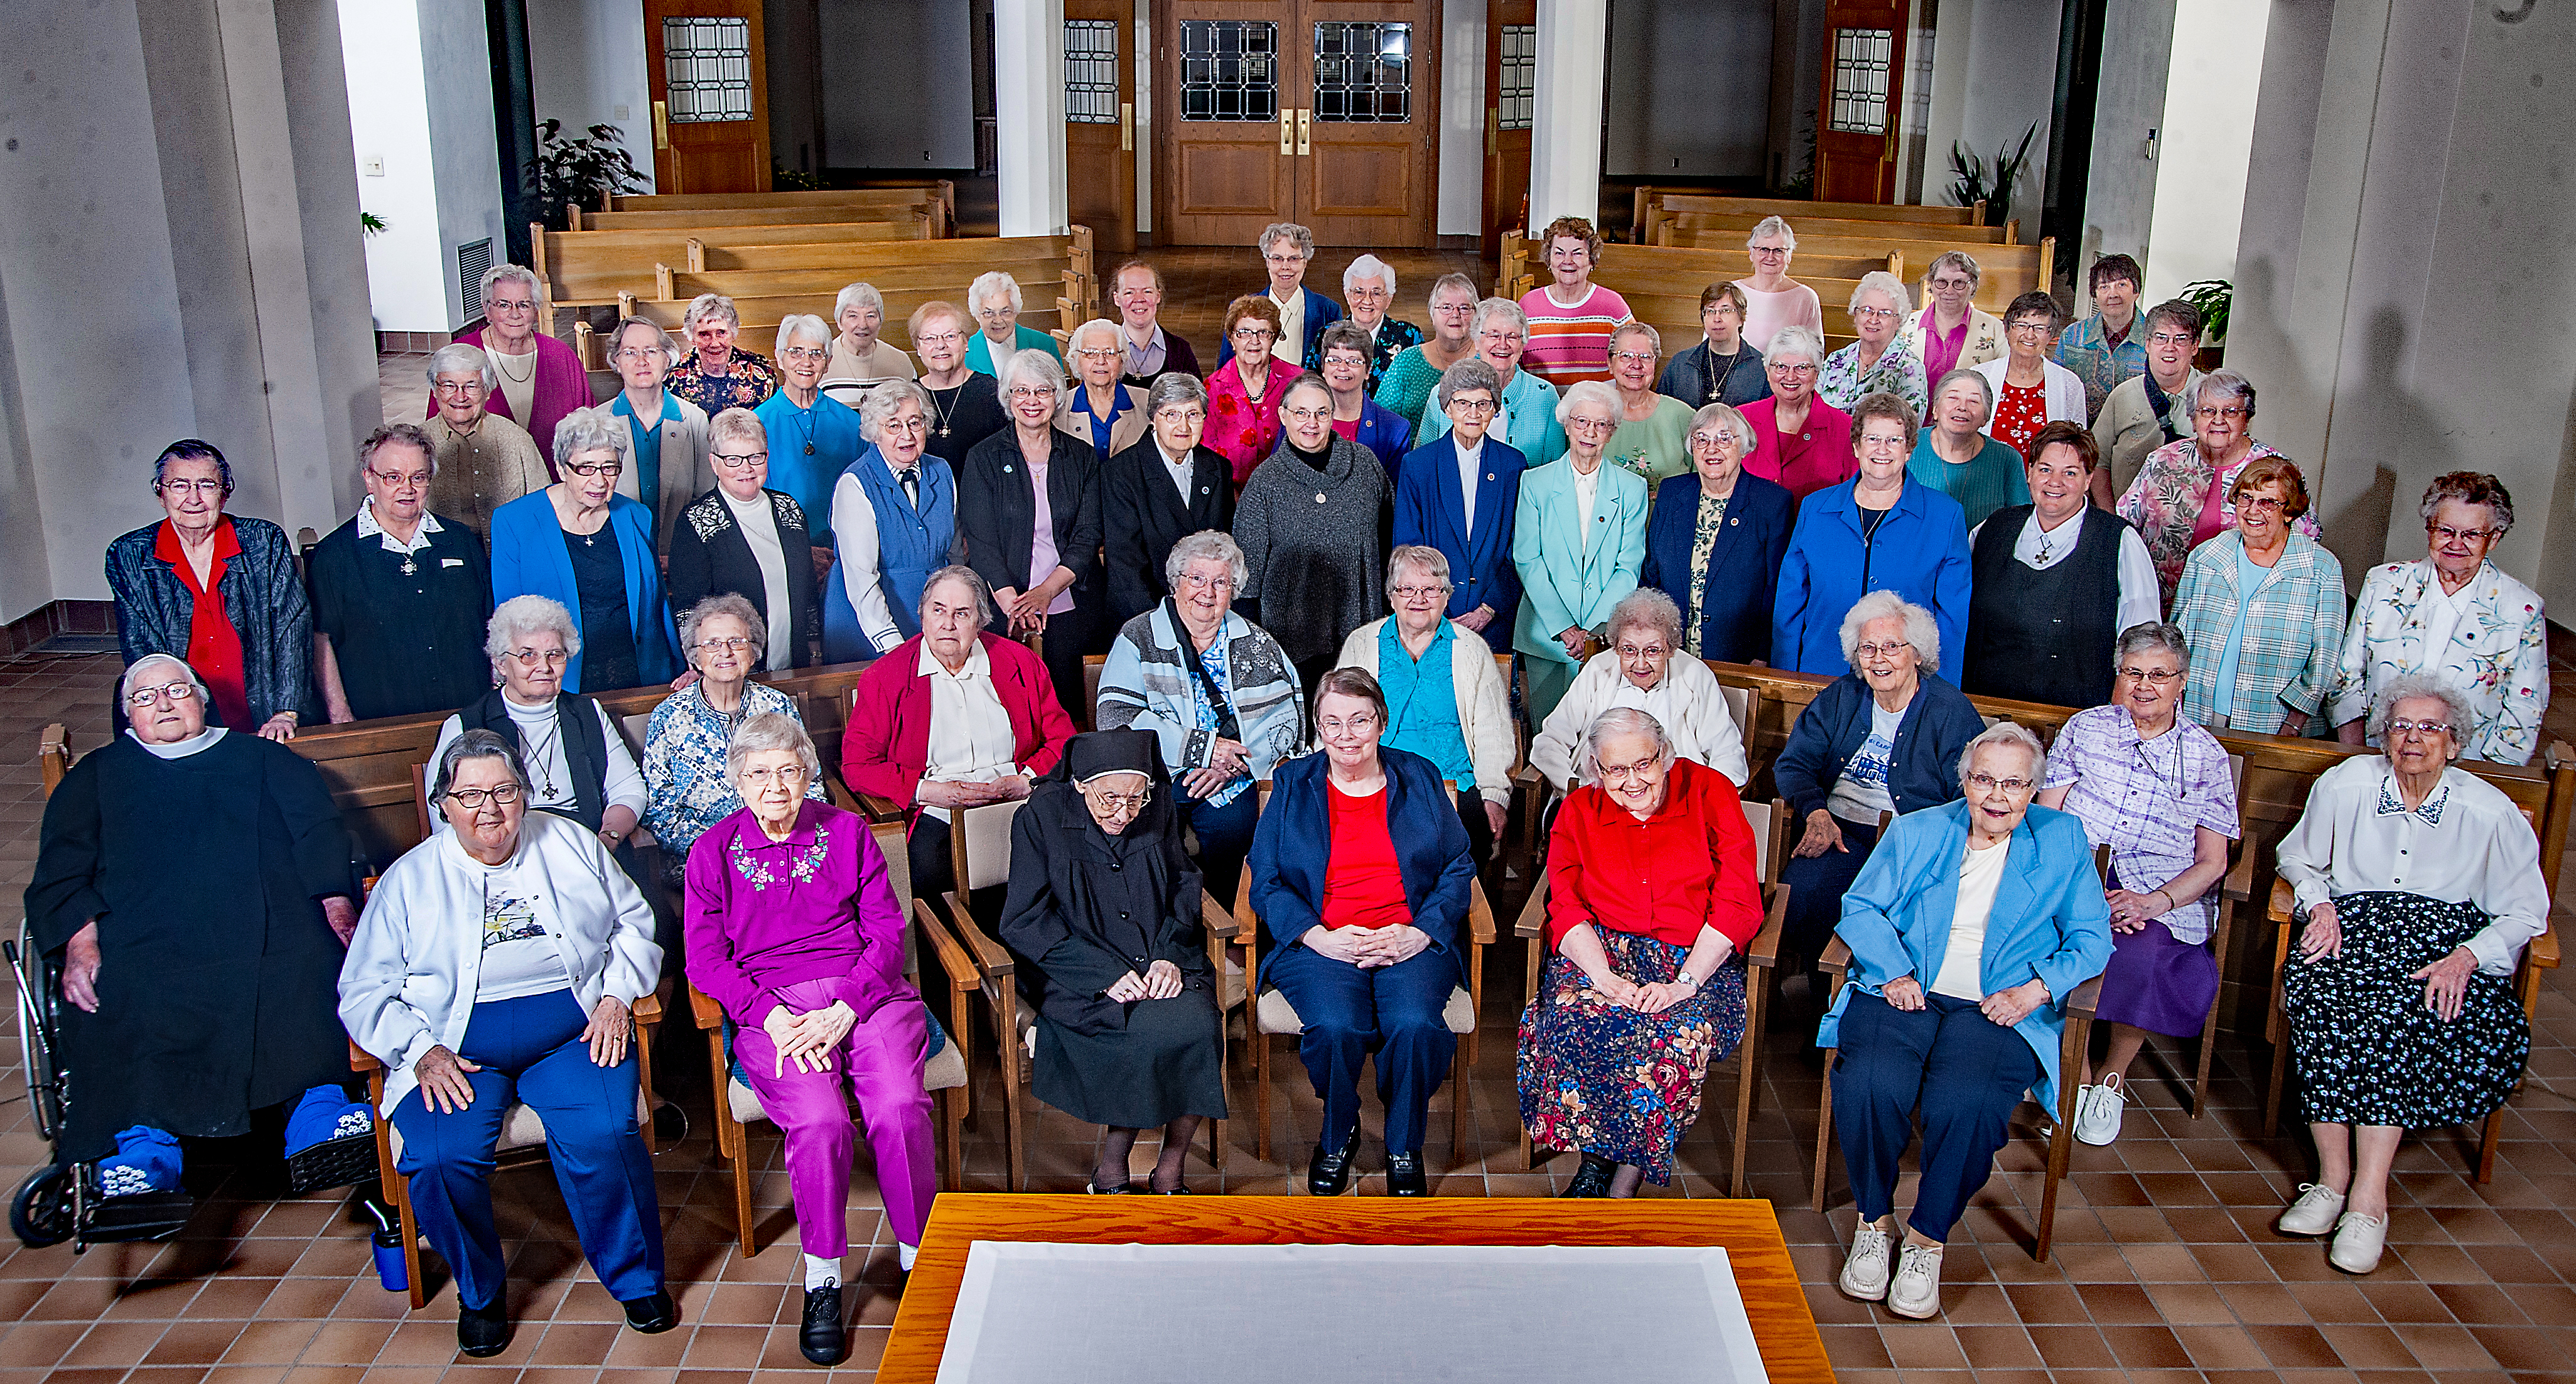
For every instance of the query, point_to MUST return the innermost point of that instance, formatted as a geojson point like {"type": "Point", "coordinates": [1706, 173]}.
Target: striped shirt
{"type": "Point", "coordinates": [1570, 344]}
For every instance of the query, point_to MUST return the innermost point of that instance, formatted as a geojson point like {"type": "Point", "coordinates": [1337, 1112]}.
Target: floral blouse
{"type": "Point", "coordinates": [2497, 656]}
{"type": "Point", "coordinates": [1706, 526]}
{"type": "Point", "coordinates": [686, 786]}
{"type": "Point", "coordinates": [1392, 337]}
{"type": "Point", "coordinates": [748, 381]}
{"type": "Point", "coordinates": [2164, 505]}
{"type": "Point", "coordinates": [1899, 371]}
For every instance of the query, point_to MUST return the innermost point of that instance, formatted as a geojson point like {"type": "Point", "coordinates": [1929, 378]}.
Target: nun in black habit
{"type": "Point", "coordinates": [1104, 915]}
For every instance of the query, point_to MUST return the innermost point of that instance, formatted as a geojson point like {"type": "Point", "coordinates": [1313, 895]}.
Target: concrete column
{"type": "Point", "coordinates": [1565, 121]}
{"type": "Point", "coordinates": [1028, 111]}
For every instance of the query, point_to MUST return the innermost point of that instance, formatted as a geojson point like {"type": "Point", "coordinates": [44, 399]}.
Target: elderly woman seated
{"type": "Point", "coordinates": [1644, 668]}
{"type": "Point", "coordinates": [690, 788]}
{"type": "Point", "coordinates": [2420, 884]}
{"type": "Point", "coordinates": [1956, 1002]}
{"type": "Point", "coordinates": [1361, 877]}
{"type": "Point", "coordinates": [2157, 790]}
{"type": "Point", "coordinates": [497, 963]}
{"type": "Point", "coordinates": [1638, 997]}
{"type": "Point", "coordinates": [1881, 738]}
{"type": "Point", "coordinates": [1218, 693]}
{"type": "Point", "coordinates": [2456, 616]}
{"type": "Point", "coordinates": [794, 928]}
{"type": "Point", "coordinates": [591, 549]}
{"type": "Point", "coordinates": [574, 760]}
{"type": "Point", "coordinates": [194, 886]}
{"type": "Point", "coordinates": [1444, 694]}
{"type": "Point", "coordinates": [1882, 359]}
{"type": "Point", "coordinates": [956, 716]}
{"type": "Point", "coordinates": [1113, 960]}
{"type": "Point", "coordinates": [2184, 493]}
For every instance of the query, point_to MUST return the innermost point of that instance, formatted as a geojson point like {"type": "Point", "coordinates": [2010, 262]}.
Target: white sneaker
{"type": "Point", "coordinates": [1865, 1268]}
{"type": "Point", "coordinates": [2357, 1242]}
{"type": "Point", "coordinates": [1917, 1290]}
{"type": "Point", "coordinates": [2314, 1213]}
{"type": "Point", "coordinates": [2098, 1110]}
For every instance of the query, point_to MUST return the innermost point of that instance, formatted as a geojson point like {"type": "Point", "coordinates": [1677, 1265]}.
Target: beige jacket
{"type": "Point", "coordinates": [1985, 339]}
{"type": "Point", "coordinates": [2126, 429]}
{"type": "Point", "coordinates": [686, 472]}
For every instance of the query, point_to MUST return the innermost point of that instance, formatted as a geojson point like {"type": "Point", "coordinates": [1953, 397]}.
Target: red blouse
{"type": "Point", "coordinates": [1363, 886]}
{"type": "Point", "coordinates": [2020, 413]}
{"type": "Point", "coordinates": [1689, 865]}
{"type": "Point", "coordinates": [214, 646]}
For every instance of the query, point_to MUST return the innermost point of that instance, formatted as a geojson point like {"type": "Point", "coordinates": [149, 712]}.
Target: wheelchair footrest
{"type": "Point", "coordinates": [143, 1216]}
{"type": "Point", "coordinates": [342, 1162]}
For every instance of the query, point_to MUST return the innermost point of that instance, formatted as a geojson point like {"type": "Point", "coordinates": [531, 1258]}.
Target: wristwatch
{"type": "Point", "coordinates": [1686, 978]}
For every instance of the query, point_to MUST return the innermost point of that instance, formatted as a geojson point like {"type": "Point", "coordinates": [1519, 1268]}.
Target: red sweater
{"type": "Point", "coordinates": [1689, 865]}
{"type": "Point", "coordinates": [887, 743]}
{"type": "Point", "coordinates": [1362, 886]}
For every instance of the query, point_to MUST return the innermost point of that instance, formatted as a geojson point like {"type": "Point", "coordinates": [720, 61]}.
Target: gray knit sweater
{"type": "Point", "coordinates": [1310, 540]}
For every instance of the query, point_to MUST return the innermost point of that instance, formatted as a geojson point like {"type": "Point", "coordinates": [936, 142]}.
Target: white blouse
{"type": "Point", "coordinates": [970, 732]}
{"type": "Point", "coordinates": [1689, 703]}
{"type": "Point", "coordinates": [759, 525]}
{"type": "Point", "coordinates": [2466, 843]}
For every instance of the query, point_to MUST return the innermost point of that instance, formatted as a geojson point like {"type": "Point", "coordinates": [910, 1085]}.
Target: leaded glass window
{"type": "Point", "coordinates": [1364, 72]}
{"type": "Point", "coordinates": [1518, 97]}
{"type": "Point", "coordinates": [1860, 80]}
{"type": "Point", "coordinates": [707, 63]}
{"type": "Point", "coordinates": [1091, 71]}
{"type": "Point", "coordinates": [1229, 69]}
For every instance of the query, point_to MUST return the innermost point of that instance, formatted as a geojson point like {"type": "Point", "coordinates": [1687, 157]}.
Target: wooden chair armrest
{"type": "Point", "coordinates": [1246, 926]}
{"type": "Point", "coordinates": [1836, 962]}
{"type": "Point", "coordinates": [992, 960]}
{"type": "Point", "coordinates": [647, 1010]}
{"type": "Point", "coordinates": [2284, 903]}
{"type": "Point", "coordinates": [1480, 914]}
{"type": "Point", "coordinates": [1219, 923]}
{"type": "Point", "coordinates": [361, 1060]}
{"type": "Point", "coordinates": [708, 1013]}
{"type": "Point", "coordinates": [2087, 998]}
{"type": "Point", "coordinates": [840, 796]}
{"type": "Point", "coordinates": [2542, 951]}
{"type": "Point", "coordinates": [1765, 951]}
{"type": "Point", "coordinates": [953, 957]}
{"type": "Point", "coordinates": [2239, 884]}
{"type": "Point", "coordinates": [878, 810]}
{"type": "Point", "coordinates": [1532, 923]}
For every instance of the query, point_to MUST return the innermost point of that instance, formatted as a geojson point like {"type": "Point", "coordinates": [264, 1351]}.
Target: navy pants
{"type": "Point", "coordinates": [1964, 1069]}
{"type": "Point", "coordinates": [531, 1050]}
{"type": "Point", "coordinates": [1351, 1013]}
{"type": "Point", "coordinates": [1816, 888]}
{"type": "Point", "coordinates": [1225, 837]}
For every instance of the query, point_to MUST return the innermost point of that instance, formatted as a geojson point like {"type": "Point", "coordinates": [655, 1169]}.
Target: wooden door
{"type": "Point", "coordinates": [1511, 86]}
{"type": "Point", "coordinates": [710, 95]}
{"type": "Point", "coordinates": [1857, 118]}
{"type": "Point", "coordinates": [1100, 119]}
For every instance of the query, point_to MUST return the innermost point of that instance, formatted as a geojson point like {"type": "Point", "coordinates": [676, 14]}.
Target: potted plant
{"type": "Point", "coordinates": [2213, 298]}
{"type": "Point", "coordinates": [1972, 181]}
{"type": "Point", "coordinates": [587, 170]}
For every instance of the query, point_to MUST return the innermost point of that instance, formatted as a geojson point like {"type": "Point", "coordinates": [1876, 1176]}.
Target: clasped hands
{"type": "Point", "coordinates": [1226, 763]}
{"type": "Point", "coordinates": [1161, 981]}
{"type": "Point", "coordinates": [1367, 948]}
{"type": "Point", "coordinates": [442, 1072]}
{"type": "Point", "coordinates": [2004, 1007]}
{"type": "Point", "coordinates": [807, 1039]}
{"type": "Point", "coordinates": [2446, 982]}
{"type": "Point", "coordinates": [1007, 788]}
{"type": "Point", "coordinates": [1653, 997]}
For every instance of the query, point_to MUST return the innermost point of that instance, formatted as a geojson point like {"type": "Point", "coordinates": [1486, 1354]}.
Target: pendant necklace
{"type": "Point", "coordinates": [940, 412]}
{"type": "Point", "coordinates": [808, 419]}
{"type": "Point", "coordinates": [540, 760]}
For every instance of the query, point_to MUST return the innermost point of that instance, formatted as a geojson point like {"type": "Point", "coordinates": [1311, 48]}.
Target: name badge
{"type": "Point", "coordinates": [451, 562]}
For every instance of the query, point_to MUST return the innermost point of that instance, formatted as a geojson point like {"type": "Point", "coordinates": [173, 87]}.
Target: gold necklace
{"type": "Point", "coordinates": [504, 371]}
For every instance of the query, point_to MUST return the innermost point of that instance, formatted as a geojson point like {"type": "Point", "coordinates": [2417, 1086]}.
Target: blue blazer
{"type": "Point", "coordinates": [1429, 512]}
{"type": "Point", "coordinates": [1743, 565]}
{"type": "Point", "coordinates": [1321, 312]}
{"type": "Point", "coordinates": [528, 559]}
{"type": "Point", "coordinates": [2050, 921]}
{"type": "Point", "coordinates": [1920, 553]}
{"type": "Point", "coordinates": [1561, 584]}
{"type": "Point", "coordinates": [1930, 737]}
{"type": "Point", "coordinates": [1292, 847]}
{"type": "Point", "coordinates": [1384, 432]}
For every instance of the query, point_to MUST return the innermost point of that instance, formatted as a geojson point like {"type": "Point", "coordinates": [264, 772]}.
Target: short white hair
{"type": "Point", "coordinates": [803, 325]}
{"type": "Point", "coordinates": [771, 730]}
{"type": "Point", "coordinates": [1499, 307]}
{"type": "Point", "coordinates": [737, 424]}
{"type": "Point", "coordinates": [707, 305]}
{"type": "Point", "coordinates": [1431, 560]}
{"type": "Point", "coordinates": [1633, 327]}
{"type": "Point", "coordinates": [1920, 629]}
{"type": "Point", "coordinates": [1646, 608]}
{"type": "Point", "coordinates": [1587, 392]}
{"type": "Point", "coordinates": [2411, 686]}
{"type": "Point", "coordinates": [1073, 339]}
{"type": "Point", "coordinates": [1020, 365]}
{"type": "Point", "coordinates": [2005, 733]}
{"type": "Point", "coordinates": [1207, 545]}
{"type": "Point", "coordinates": [521, 616]}
{"type": "Point", "coordinates": [457, 357]}
{"type": "Point", "coordinates": [1369, 267]}
{"type": "Point", "coordinates": [1880, 281]}
{"type": "Point", "coordinates": [500, 274]}
{"type": "Point", "coordinates": [1795, 341]}
{"type": "Point", "coordinates": [989, 283]}
{"type": "Point", "coordinates": [589, 430]}
{"type": "Point", "coordinates": [858, 294]}
{"type": "Point", "coordinates": [133, 673]}
{"type": "Point", "coordinates": [1772, 225]}
{"type": "Point", "coordinates": [1623, 720]}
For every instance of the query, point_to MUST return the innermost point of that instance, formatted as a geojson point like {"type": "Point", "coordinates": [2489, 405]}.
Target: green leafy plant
{"type": "Point", "coordinates": [1802, 186]}
{"type": "Point", "coordinates": [370, 224]}
{"type": "Point", "coordinates": [2213, 297]}
{"type": "Point", "coordinates": [582, 170]}
{"type": "Point", "coordinates": [785, 179]}
{"type": "Point", "coordinates": [1973, 181]}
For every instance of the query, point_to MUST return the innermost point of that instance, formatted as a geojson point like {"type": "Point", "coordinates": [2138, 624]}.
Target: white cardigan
{"type": "Point", "coordinates": [417, 956]}
{"type": "Point", "coordinates": [1484, 712]}
{"type": "Point", "coordinates": [1689, 703]}
{"type": "Point", "coordinates": [2064, 392]}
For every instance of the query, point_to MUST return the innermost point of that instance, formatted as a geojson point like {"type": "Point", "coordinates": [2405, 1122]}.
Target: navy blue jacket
{"type": "Point", "coordinates": [1743, 565]}
{"type": "Point", "coordinates": [1924, 772]}
{"type": "Point", "coordinates": [1427, 512]}
{"type": "Point", "coordinates": [1293, 846]}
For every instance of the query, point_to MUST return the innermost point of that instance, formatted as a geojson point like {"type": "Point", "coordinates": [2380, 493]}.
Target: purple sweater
{"type": "Point", "coordinates": [763, 915]}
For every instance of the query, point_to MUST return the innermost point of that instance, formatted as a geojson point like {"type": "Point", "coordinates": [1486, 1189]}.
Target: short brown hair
{"type": "Point", "coordinates": [2263, 471]}
{"type": "Point", "coordinates": [2066, 432]}
{"type": "Point", "coordinates": [1255, 305]}
{"type": "Point", "coordinates": [1725, 289]}
{"type": "Point", "coordinates": [2114, 267]}
{"type": "Point", "coordinates": [2470, 488]}
{"type": "Point", "coordinates": [1121, 273]}
{"type": "Point", "coordinates": [1577, 228]}
{"type": "Point", "coordinates": [2028, 303]}
{"type": "Point", "coordinates": [1883, 404]}
{"type": "Point", "coordinates": [1350, 682]}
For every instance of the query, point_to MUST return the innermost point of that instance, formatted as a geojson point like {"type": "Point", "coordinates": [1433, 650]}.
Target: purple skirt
{"type": "Point", "coordinates": [2158, 982]}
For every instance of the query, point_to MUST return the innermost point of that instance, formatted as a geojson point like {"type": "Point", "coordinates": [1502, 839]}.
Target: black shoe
{"type": "Point", "coordinates": [652, 1315]}
{"type": "Point", "coordinates": [1404, 1175]}
{"type": "Point", "coordinates": [822, 1338]}
{"type": "Point", "coordinates": [482, 1331]}
{"type": "Point", "coordinates": [1330, 1171]}
{"type": "Point", "coordinates": [1592, 1179]}
{"type": "Point", "coordinates": [1123, 1189]}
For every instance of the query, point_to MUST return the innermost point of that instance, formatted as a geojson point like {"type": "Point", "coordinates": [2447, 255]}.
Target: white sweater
{"type": "Point", "coordinates": [1689, 703]}
{"type": "Point", "coordinates": [1484, 711]}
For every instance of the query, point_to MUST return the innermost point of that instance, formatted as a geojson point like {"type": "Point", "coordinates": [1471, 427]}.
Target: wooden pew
{"type": "Point", "coordinates": [1690, 212]}
{"type": "Point", "coordinates": [941, 191]}
{"type": "Point", "coordinates": [2007, 271]}
{"type": "Point", "coordinates": [1649, 198]}
{"type": "Point", "coordinates": [761, 314]}
{"type": "Point", "coordinates": [581, 269]}
{"type": "Point", "coordinates": [922, 210]}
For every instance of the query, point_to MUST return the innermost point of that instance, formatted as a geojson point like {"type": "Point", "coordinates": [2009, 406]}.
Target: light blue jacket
{"type": "Point", "coordinates": [1563, 584]}
{"type": "Point", "coordinates": [2049, 921]}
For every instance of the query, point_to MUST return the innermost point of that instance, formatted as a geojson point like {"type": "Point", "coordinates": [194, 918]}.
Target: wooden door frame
{"type": "Point", "coordinates": [1891, 150]}
{"type": "Point", "coordinates": [1496, 195]}
{"type": "Point", "coordinates": [1121, 238]}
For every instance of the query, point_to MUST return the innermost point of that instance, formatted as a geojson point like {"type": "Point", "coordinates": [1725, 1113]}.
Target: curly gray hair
{"type": "Point", "coordinates": [2415, 686]}
{"type": "Point", "coordinates": [520, 616]}
{"type": "Point", "coordinates": [2005, 733]}
{"type": "Point", "coordinates": [2152, 636]}
{"type": "Point", "coordinates": [1204, 546]}
{"type": "Point", "coordinates": [879, 404]}
{"type": "Point", "coordinates": [1430, 560]}
{"type": "Point", "coordinates": [500, 274]}
{"type": "Point", "coordinates": [398, 434]}
{"type": "Point", "coordinates": [1289, 231]}
{"type": "Point", "coordinates": [724, 603]}
{"type": "Point", "coordinates": [589, 430]}
{"type": "Point", "coordinates": [771, 730]}
{"type": "Point", "coordinates": [1651, 609]}
{"type": "Point", "coordinates": [707, 305]}
{"type": "Point", "coordinates": [1920, 631]}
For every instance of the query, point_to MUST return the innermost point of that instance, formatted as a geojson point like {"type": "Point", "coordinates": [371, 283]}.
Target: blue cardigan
{"type": "Point", "coordinates": [528, 559]}
{"type": "Point", "coordinates": [1743, 565]}
{"type": "Point", "coordinates": [2050, 921]}
{"type": "Point", "coordinates": [1920, 553]}
{"type": "Point", "coordinates": [1429, 512]}
{"type": "Point", "coordinates": [1293, 846]}
{"type": "Point", "coordinates": [1924, 770]}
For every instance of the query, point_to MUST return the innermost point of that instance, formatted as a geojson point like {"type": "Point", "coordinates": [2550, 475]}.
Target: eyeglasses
{"type": "Point", "coordinates": [1624, 773]}
{"type": "Point", "coordinates": [457, 388]}
{"type": "Point", "coordinates": [734, 642]}
{"type": "Point", "coordinates": [400, 480]}
{"type": "Point", "coordinates": [638, 353]}
{"type": "Point", "coordinates": [1115, 803]}
{"type": "Point", "coordinates": [1417, 593]}
{"type": "Point", "coordinates": [590, 469]}
{"type": "Point", "coordinates": [1098, 353]}
{"type": "Point", "coordinates": [1875, 314]}
{"type": "Point", "coordinates": [1793, 371]}
{"type": "Point", "coordinates": [738, 461]}
{"type": "Point", "coordinates": [1189, 414]}
{"type": "Point", "coordinates": [530, 658]}
{"type": "Point", "coordinates": [808, 354]}
{"type": "Point", "coordinates": [1879, 650]}
{"type": "Point", "coordinates": [1309, 415]}
{"type": "Point", "coordinates": [1453, 308]}
{"type": "Point", "coordinates": [1360, 724]}
{"type": "Point", "coordinates": [2426, 729]}
{"type": "Point", "coordinates": [1631, 652]}
{"type": "Point", "coordinates": [1953, 284]}
{"type": "Point", "coordinates": [1195, 582]}
{"type": "Point", "coordinates": [1290, 258]}
{"type": "Point", "coordinates": [1503, 338]}
{"type": "Point", "coordinates": [2028, 328]}
{"type": "Point", "coordinates": [1346, 358]}
{"type": "Point", "coordinates": [2231, 412]}
{"type": "Point", "coordinates": [1581, 424]}
{"type": "Point", "coordinates": [2155, 677]}
{"type": "Point", "coordinates": [757, 779]}
{"type": "Point", "coordinates": [1032, 391]}
{"type": "Point", "coordinates": [193, 487]}
{"type": "Point", "coordinates": [2171, 339]}
{"type": "Point", "coordinates": [2259, 504]}
{"type": "Point", "coordinates": [175, 691]}
{"type": "Point", "coordinates": [1987, 783]}
{"type": "Point", "coordinates": [472, 799]}
{"type": "Point", "coordinates": [1712, 441]}
{"type": "Point", "coordinates": [2444, 533]}
{"type": "Point", "coordinates": [1251, 333]}
{"type": "Point", "coordinates": [1470, 407]}
{"type": "Point", "coordinates": [1767, 251]}
{"type": "Point", "coordinates": [510, 305]}
{"type": "Point", "coordinates": [1634, 357]}
{"type": "Point", "coordinates": [939, 339]}
{"type": "Point", "coordinates": [1880, 442]}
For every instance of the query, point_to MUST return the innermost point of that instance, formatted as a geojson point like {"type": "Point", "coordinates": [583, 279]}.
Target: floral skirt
{"type": "Point", "coordinates": [2369, 1051]}
{"type": "Point", "coordinates": [1611, 1081]}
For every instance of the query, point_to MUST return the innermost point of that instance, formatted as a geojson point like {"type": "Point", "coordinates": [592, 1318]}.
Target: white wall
{"type": "Point", "coordinates": [2208, 135]}
{"type": "Point", "coordinates": [1463, 37]}
{"type": "Point", "coordinates": [1565, 118]}
{"type": "Point", "coordinates": [586, 64]}
{"type": "Point", "coordinates": [1994, 71]}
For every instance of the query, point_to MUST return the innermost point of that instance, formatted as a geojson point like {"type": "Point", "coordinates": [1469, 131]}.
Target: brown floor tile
{"type": "Point", "coordinates": [1990, 1348]}
{"type": "Point", "coordinates": [2072, 1348]}
{"type": "Point", "coordinates": [2444, 1349]}
{"type": "Point", "coordinates": [2191, 1304]}
{"type": "Point", "coordinates": [2222, 1347]}
{"type": "Point", "coordinates": [2291, 1346]}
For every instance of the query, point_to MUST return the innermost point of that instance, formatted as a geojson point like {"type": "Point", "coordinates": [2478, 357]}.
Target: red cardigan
{"type": "Point", "coordinates": [1690, 864]}
{"type": "Point", "coordinates": [887, 743]}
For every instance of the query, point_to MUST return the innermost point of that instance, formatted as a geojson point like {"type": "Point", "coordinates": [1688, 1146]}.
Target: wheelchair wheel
{"type": "Point", "coordinates": [41, 1213]}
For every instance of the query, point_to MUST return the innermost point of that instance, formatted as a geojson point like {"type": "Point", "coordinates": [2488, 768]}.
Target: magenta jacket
{"type": "Point", "coordinates": [762, 915]}
{"type": "Point", "coordinates": [562, 386]}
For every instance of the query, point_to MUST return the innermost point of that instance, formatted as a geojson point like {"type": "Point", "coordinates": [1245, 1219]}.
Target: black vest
{"type": "Point", "coordinates": [585, 746]}
{"type": "Point", "coordinates": [2043, 636]}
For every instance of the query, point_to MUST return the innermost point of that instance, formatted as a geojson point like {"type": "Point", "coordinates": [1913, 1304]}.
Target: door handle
{"type": "Point", "coordinates": [661, 124]}
{"type": "Point", "coordinates": [1287, 132]}
{"type": "Point", "coordinates": [1126, 127]}
{"type": "Point", "coordinates": [1305, 127]}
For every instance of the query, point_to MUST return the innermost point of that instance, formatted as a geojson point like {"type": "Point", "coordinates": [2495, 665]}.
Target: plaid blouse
{"type": "Point", "coordinates": [2293, 631]}
{"type": "Point", "coordinates": [2147, 799]}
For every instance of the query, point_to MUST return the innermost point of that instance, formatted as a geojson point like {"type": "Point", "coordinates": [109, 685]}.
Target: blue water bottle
{"type": "Point", "coordinates": [389, 1247]}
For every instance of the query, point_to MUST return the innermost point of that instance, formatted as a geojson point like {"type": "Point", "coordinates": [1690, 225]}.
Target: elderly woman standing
{"type": "Point", "coordinates": [1368, 286]}
{"type": "Point", "coordinates": [643, 355]}
{"type": "Point", "coordinates": [995, 300]}
{"type": "Point", "coordinates": [2152, 408]}
{"type": "Point", "coordinates": [220, 592]}
{"type": "Point", "coordinates": [2054, 584]}
{"type": "Point", "coordinates": [1286, 249]}
{"type": "Point", "coordinates": [1715, 540]}
{"type": "Point", "coordinates": [1028, 513]}
{"type": "Point", "coordinates": [1778, 301]}
{"type": "Point", "coordinates": [1136, 290]}
{"type": "Point", "coordinates": [1957, 458]}
{"type": "Point", "coordinates": [753, 542]}
{"type": "Point", "coordinates": [2103, 349]}
{"type": "Point", "coordinates": [1244, 392]}
{"type": "Point", "coordinates": [2420, 883]}
{"type": "Point", "coordinates": [498, 962]}
{"type": "Point", "coordinates": [1570, 319]}
{"type": "Point", "coordinates": [689, 786]}
{"type": "Point", "coordinates": [572, 761]}
{"type": "Point", "coordinates": [1799, 440]}
{"type": "Point", "coordinates": [1459, 495]}
{"type": "Point", "coordinates": [1310, 522]}
{"type": "Point", "coordinates": [1722, 367]}
{"type": "Point", "coordinates": [1445, 698]}
{"type": "Point", "coordinates": [1219, 694]}
{"type": "Point", "coordinates": [536, 379]}
{"type": "Point", "coordinates": [1653, 438]}
{"type": "Point", "coordinates": [1639, 670]}
{"type": "Point", "coordinates": [399, 594]}
{"type": "Point", "coordinates": [965, 405]}
{"type": "Point", "coordinates": [861, 359]}
{"type": "Point", "coordinates": [894, 522]}
{"type": "Point", "coordinates": [1879, 532]}
{"type": "Point", "coordinates": [2030, 390]}
{"type": "Point", "coordinates": [2263, 610]}
{"type": "Point", "coordinates": [1098, 409]}
{"type": "Point", "coordinates": [2157, 790]}
{"type": "Point", "coordinates": [1578, 539]}
{"type": "Point", "coordinates": [794, 929]}
{"type": "Point", "coordinates": [1883, 359]}
{"type": "Point", "coordinates": [1404, 387]}
{"type": "Point", "coordinates": [1128, 1029]}
{"type": "Point", "coordinates": [482, 461]}
{"type": "Point", "coordinates": [2456, 616]}
{"type": "Point", "coordinates": [1526, 411]}
{"type": "Point", "coordinates": [1156, 492]}
{"type": "Point", "coordinates": [1651, 894]}
{"type": "Point", "coordinates": [584, 545]}
{"type": "Point", "coordinates": [717, 374]}
{"type": "Point", "coordinates": [1361, 876]}
{"type": "Point", "coordinates": [813, 438]}
{"type": "Point", "coordinates": [956, 716]}
{"type": "Point", "coordinates": [1956, 1003]}
{"type": "Point", "coordinates": [2183, 496]}
{"type": "Point", "coordinates": [1343, 366]}
{"type": "Point", "coordinates": [1950, 332]}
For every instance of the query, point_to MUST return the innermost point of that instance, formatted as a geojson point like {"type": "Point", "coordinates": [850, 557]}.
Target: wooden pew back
{"type": "Point", "coordinates": [2006, 271]}
{"type": "Point", "coordinates": [940, 192]}
{"type": "Point", "coordinates": [923, 211]}
{"type": "Point", "coordinates": [589, 268]}
{"type": "Point", "coordinates": [1662, 286]}
{"type": "Point", "coordinates": [1649, 198]}
{"type": "Point", "coordinates": [1705, 215]}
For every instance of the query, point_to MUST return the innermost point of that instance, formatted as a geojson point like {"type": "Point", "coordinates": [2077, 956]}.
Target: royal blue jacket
{"type": "Point", "coordinates": [1743, 565]}
{"type": "Point", "coordinates": [1920, 552]}
{"type": "Point", "coordinates": [1429, 511]}
{"type": "Point", "coordinates": [528, 558]}
{"type": "Point", "coordinates": [1292, 848]}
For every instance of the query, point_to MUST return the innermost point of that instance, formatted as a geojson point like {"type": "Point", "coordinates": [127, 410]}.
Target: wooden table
{"type": "Point", "coordinates": [1792, 1352]}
